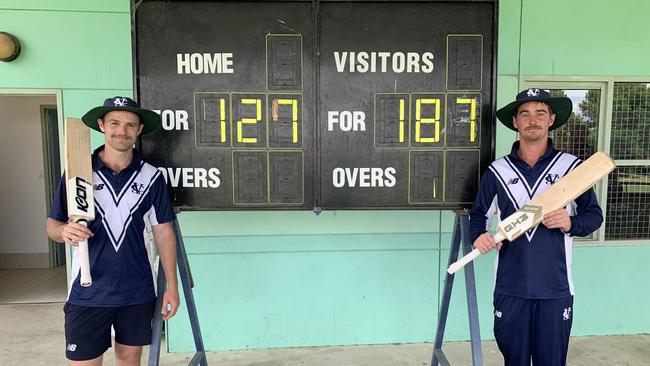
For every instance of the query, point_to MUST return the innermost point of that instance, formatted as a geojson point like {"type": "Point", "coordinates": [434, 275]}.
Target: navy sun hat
{"type": "Point", "coordinates": [150, 119]}
{"type": "Point", "coordinates": [560, 106]}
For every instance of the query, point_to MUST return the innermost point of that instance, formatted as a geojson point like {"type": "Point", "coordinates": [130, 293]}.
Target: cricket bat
{"type": "Point", "coordinates": [578, 181]}
{"type": "Point", "coordinates": [79, 185]}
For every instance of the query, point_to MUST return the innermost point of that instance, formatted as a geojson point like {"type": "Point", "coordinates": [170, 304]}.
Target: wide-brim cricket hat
{"type": "Point", "coordinates": [150, 119]}
{"type": "Point", "coordinates": [561, 107]}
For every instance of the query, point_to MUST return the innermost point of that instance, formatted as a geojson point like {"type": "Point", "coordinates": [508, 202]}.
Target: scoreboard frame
{"type": "Point", "coordinates": [315, 202]}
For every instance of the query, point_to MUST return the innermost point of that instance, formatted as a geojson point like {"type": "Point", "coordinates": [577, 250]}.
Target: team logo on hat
{"type": "Point", "coordinates": [120, 102]}
{"type": "Point", "coordinates": [533, 92]}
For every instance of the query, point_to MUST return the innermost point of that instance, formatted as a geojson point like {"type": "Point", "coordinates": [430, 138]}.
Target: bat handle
{"type": "Point", "coordinates": [84, 261]}
{"type": "Point", "coordinates": [454, 267]}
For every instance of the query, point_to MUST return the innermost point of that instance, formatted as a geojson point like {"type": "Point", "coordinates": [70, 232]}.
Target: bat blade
{"type": "Point", "coordinates": [578, 181]}
{"type": "Point", "coordinates": [79, 185]}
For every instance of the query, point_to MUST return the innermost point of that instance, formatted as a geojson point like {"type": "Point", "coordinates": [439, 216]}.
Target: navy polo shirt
{"type": "Point", "coordinates": [120, 251]}
{"type": "Point", "coordinates": [537, 265]}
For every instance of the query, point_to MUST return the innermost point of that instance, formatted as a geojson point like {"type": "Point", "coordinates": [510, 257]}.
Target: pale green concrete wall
{"type": "Point", "coordinates": [286, 279]}
{"type": "Point", "coordinates": [585, 37]}
{"type": "Point", "coordinates": [277, 279]}
{"type": "Point", "coordinates": [82, 48]}
{"type": "Point", "coordinates": [325, 289]}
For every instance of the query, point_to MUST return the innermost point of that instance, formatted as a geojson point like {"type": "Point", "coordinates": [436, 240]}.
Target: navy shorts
{"type": "Point", "coordinates": [534, 330]}
{"type": "Point", "coordinates": [88, 329]}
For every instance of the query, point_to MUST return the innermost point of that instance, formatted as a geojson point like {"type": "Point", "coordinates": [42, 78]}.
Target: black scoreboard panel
{"type": "Point", "coordinates": [420, 75]}
{"type": "Point", "coordinates": [297, 105]}
{"type": "Point", "coordinates": [238, 74]}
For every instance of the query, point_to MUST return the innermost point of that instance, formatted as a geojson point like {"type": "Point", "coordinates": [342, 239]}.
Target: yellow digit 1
{"type": "Point", "coordinates": [295, 121]}
{"type": "Point", "coordinates": [435, 120]}
{"type": "Point", "coordinates": [472, 116]}
{"type": "Point", "coordinates": [240, 124]}
{"type": "Point", "coordinates": [434, 188]}
{"type": "Point", "coordinates": [294, 115]}
{"type": "Point", "coordinates": [401, 120]}
{"type": "Point", "coordinates": [222, 110]}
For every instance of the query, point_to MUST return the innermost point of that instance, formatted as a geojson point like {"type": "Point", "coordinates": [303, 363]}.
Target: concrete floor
{"type": "Point", "coordinates": [28, 286]}
{"type": "Point", "coordinates": [32, 334]}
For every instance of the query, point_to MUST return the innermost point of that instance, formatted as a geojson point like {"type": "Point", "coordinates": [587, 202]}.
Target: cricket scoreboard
{"type": "Point", "coordinates": [318, 104]}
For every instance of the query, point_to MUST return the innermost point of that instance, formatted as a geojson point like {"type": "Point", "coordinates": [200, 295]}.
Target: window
{"type": "Point", "coordinates": [628, 189]}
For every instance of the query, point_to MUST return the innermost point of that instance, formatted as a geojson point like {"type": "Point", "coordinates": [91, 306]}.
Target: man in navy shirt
{"type": "Point", "coordinates": [129, 196]}
{"type": "Point", "coordinates": [533, 294]}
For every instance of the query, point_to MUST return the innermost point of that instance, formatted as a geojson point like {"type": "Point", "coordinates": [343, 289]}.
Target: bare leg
{"type": "Point", "coordinates": [127, 355]}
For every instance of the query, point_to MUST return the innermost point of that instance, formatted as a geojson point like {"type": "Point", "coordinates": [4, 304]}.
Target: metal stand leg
{"type": "Point", "coordinates": [187, 283]}
{"type": "Point", "coordinates": [157, 324]}
{"type": "Point", "coordinates": [460, 235]}
{"type": "Point", "coordinates": [438, 355]}
{"type": "Point", "coordinates": [470, 288]}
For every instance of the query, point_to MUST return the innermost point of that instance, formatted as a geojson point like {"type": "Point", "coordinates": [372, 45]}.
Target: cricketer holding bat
{"type": "Point", "coordinates": [129, 194]}
{"type": "Point", "coordinates": [533, 294]}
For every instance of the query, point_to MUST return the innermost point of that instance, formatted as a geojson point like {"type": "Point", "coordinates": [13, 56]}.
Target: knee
{"type": "Point", "coordinates": [127, 355]}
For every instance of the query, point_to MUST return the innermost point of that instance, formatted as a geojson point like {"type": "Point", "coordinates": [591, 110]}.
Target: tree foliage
{"type": "Point", "coordinates": [579, 135]}
{"type": "Point", "coordinates": [630, 133]}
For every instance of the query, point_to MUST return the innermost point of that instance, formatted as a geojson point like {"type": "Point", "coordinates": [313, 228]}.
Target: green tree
{"type": "Point", "coordinates": [630, 133]}
{"type": "Point", "coordinates": [578, 136]}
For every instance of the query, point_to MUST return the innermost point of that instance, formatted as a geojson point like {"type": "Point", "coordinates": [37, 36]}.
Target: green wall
{"type": "Point", "coordinates": [82, 48]}
{"type": "Point", "coordinates": [582, 37]}
{"type": "Point", "coordinates": [288, 279]}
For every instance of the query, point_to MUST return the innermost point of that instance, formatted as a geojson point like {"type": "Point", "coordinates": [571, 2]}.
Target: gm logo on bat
{"type": "Point", "coordinates": [514, 224]}
{"type": "Point", "coordinates": [529, 217]}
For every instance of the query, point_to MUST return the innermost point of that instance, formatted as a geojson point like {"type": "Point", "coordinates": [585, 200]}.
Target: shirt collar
{"type": "Point", "coordinates": [99, 164]}
{"type": "Point", "coordinates": [548, 154]}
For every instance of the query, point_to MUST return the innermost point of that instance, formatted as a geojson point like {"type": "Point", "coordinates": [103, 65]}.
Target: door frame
{"type": "Point", "coordinates": [58, 94]}
{"type": "Point", "coordinates": [56, 252]}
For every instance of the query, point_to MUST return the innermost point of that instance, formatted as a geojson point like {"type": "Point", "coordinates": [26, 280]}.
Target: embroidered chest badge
{"type": "Point", "coordinates": [137, 188]}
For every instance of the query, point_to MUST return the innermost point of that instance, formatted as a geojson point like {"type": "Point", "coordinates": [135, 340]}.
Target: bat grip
{"type": "Point", "coordinates": [454, 267]}
{"type": "Point", "coordinates": [84, 261]}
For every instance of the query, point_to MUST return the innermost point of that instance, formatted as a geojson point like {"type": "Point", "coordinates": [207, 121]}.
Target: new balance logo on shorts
{"type": "Point", "coordinates": [71, 347]}
{"type": "Point", "coordinates": [498, 314]}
